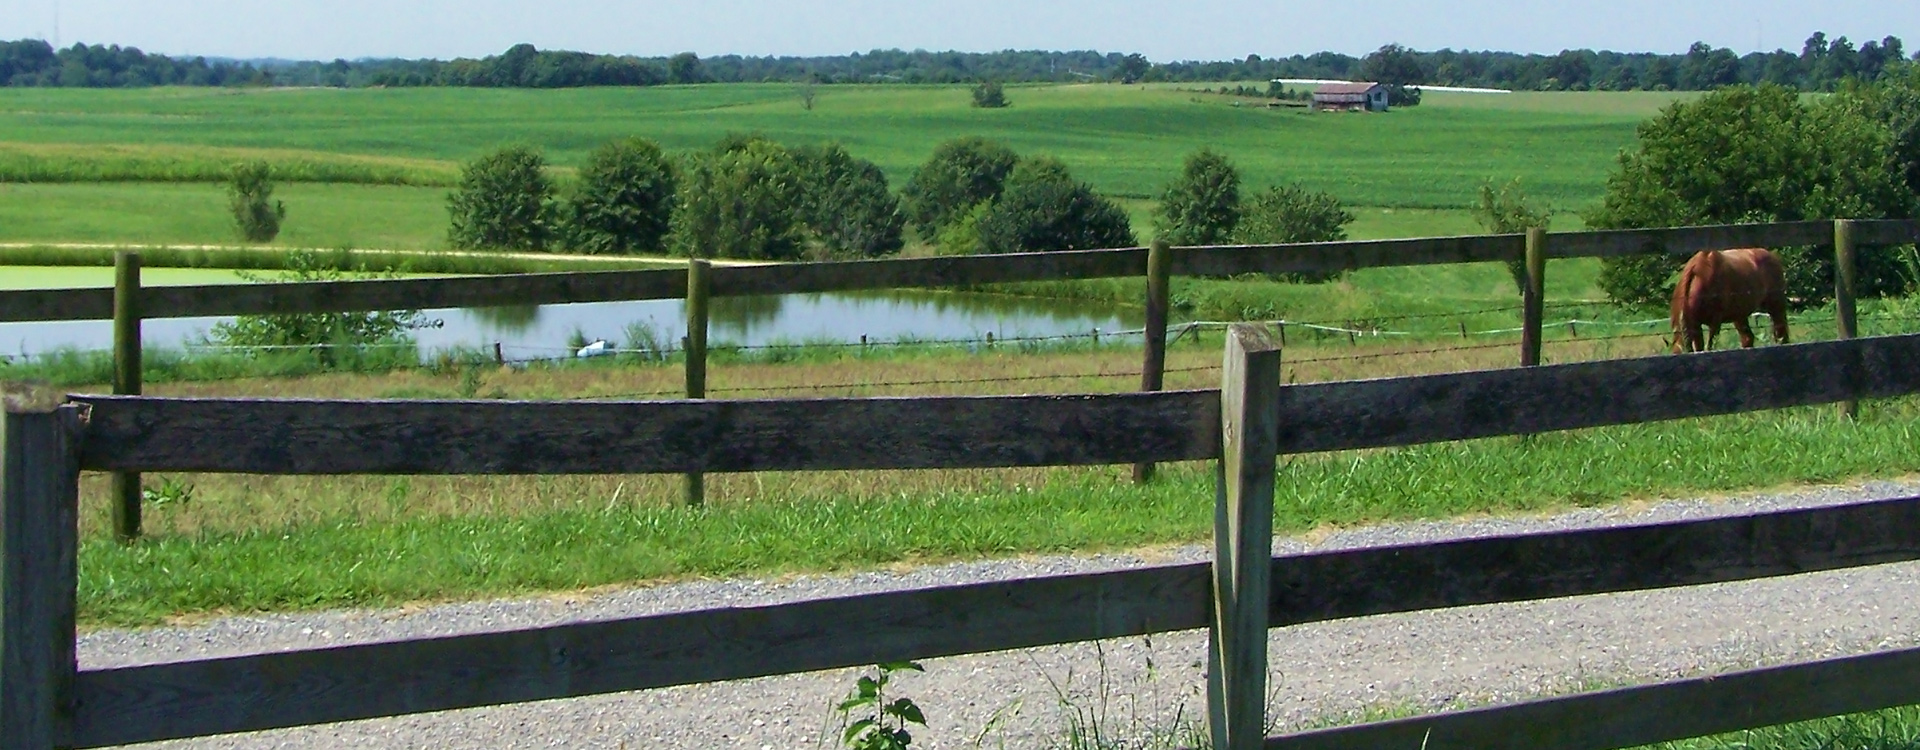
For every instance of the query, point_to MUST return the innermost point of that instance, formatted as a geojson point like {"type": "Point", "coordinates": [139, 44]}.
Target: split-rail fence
{"type": "Point", "coordinates": [48, 440]}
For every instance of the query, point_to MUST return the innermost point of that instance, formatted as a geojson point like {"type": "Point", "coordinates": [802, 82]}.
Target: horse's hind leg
{"type": "Point", "coordinates": [1746, 331]}
{"type": "Point", "coordinates": [1776, 307]}
{"type": "Point", "coordinates": [1713, 335]}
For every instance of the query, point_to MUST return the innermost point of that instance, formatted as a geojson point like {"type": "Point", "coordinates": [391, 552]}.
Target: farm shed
{"type": "Point", "coordinates": [1351, 97]}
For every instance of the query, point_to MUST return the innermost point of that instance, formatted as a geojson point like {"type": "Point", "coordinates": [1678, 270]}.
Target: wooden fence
{"type": "Point", "coordinates": [129, 302]}
{"type": "Point", "coordinates": [45, 701]}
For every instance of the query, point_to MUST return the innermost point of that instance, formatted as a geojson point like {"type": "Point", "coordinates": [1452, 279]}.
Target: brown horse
{"type": "Point", "coordinates": [1727, 286]}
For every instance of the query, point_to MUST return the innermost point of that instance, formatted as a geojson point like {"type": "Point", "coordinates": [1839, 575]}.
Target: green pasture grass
{"type": "Point", "coordinates": [318, 215]}
{"type": "Point", "coordinates": [1125, 140]}
{"type": "Point", "coordinates": [56, 267]}
{"type": "Point", "coordinates": [324, 555]}
{"type": "Point", "coordinates": [1891, 729]}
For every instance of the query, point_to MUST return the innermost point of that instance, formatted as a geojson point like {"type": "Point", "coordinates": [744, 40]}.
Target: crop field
{"type": "Point", "coordinates": [386, 156]}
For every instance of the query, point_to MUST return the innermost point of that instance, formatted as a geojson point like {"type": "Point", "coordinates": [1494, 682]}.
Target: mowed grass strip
{"type": "Point", "coordinates": [224, 543]}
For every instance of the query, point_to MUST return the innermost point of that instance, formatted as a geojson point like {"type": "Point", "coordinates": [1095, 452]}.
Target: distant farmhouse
{"type": "Point", "coordinates": [1350, 97]}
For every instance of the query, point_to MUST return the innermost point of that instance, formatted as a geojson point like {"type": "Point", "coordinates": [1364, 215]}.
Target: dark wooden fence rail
{"type": "Point", "coordinates": [201, 697]}
{"type": "Point", "coordinates": [606, 286]}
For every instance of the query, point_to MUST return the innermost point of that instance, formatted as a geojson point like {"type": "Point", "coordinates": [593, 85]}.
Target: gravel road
{"type": "Point", "coordinates": [1131, 687]}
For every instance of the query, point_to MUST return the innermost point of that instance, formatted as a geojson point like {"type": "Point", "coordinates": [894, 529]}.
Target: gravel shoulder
{"type": "Point", "coordinates": [1131, 687]}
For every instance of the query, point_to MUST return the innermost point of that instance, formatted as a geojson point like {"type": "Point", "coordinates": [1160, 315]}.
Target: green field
{"type": "Point", "coordinates": [108, 165]}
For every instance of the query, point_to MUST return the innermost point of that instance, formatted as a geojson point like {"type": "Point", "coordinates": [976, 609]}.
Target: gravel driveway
{"type": "Point", "coordinates": [1130, 687]}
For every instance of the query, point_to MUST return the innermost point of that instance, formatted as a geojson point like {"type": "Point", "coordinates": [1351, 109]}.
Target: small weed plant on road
{"type": "Point", "coordinates": [881, 725]}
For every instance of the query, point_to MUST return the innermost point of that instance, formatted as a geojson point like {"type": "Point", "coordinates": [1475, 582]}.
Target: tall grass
{"type": "Point", "coordinates": [60, 162]}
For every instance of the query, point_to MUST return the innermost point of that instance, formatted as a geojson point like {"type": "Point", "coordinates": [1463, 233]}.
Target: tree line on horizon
{"type": "Point", "coordinates": [1820, 65]}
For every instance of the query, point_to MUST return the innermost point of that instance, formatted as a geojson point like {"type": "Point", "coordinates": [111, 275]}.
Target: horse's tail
{"type": "Point", "coordinates": [1677, 316]}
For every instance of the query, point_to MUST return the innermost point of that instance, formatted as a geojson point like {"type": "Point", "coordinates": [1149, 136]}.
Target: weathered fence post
{"type": "Point", "coordinates": [39, 538]}
{"type": "Point", "coordinates": [126, 381]}
{"type": "Point", "coordinates": [1153, 368]}
{"type": "Point", "coordinates": [699, 288]}
{"type": "Point", "coordinates": [1845, 277]}
{"type": "Point", "coordinates": [1533, 298]}
{"type": "Point", "coordinates": [1243, 538]}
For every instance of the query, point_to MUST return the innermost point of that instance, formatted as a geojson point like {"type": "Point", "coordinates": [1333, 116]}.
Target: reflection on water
{"type": "Point", "coordinates": [509, 318]}
{"type": "Point", "coordinates": [530, 331]}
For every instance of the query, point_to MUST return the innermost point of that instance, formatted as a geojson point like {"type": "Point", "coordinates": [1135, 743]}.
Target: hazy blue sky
{"type": "Point", "coordinates": [1162, 29]}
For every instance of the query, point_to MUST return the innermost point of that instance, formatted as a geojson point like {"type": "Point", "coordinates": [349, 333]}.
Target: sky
{"type": "Point", "coordinates": [1163, 30]}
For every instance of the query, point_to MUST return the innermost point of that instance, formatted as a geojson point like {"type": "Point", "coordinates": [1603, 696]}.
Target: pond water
{"type": "Point", "coordinates": [544, 331]}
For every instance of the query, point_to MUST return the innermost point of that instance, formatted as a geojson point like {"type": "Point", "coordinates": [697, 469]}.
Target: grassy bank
{"type": "Point", "coordinates": [23, 257]}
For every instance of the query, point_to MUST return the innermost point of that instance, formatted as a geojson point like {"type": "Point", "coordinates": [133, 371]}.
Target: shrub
{"type": "Point", "coordinates": [961, 174]}
{"type": "Point", "coordinates": [250, 194]}
{"type": "Point", "coordinates": [740, 202]}
{"type": "Point", "coordinates": [846, 203]}
{"type": "Point", "coordinates": [504, 202]}
{"type": "Point", "coordinates": [989, 95]}
{"type": "Point", "coordinates": [1202, 206]}
{"type": "Point", "coordinates": [1290, 213]}
{"type": "Point", "coordinates": [1747, 154]}
{"type": "Point", "coordinates": [1044, 208]}
{"type": "Point", "coordinates": [624, 200]}
{"type": "Point", "coordinates": [1507, 210]}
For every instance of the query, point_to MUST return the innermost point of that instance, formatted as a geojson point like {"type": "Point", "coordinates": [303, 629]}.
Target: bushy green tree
{"type": "Point", "coordinates": [1291, 213]}
{"type": "Point", "coordinates": [1752, 154]}
{"type": "Point", "coordinates": [961, 174]}
{"type": "Point", "coordinates": [846, 203]}
{"type": "Point", "coordinates": [1201, 206]}
{"type": "Point", "coordinates": [624, 200]}
{"type": "Point", "coordinates": [256, 214]}
{"type": "Point", "coordinates": [989, 95]}
{"type": "Point", "coordinates": [1044, 208]}
{"type": "Point", "coordinates": [504, 202]}
{"type": "Point", "coordinates": [740, 201]}
{"type": "Point", "coordinates": [1508, 210]}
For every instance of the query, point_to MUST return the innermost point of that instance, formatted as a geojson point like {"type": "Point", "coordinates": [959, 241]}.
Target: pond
{"type": "Point", "coordinates": [544, 331]}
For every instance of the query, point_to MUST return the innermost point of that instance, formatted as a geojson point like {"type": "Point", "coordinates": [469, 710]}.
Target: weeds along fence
{"type": "Point", "coordinates": [47, 440]}
{"type": "Point", "coordinates": [128, 302]}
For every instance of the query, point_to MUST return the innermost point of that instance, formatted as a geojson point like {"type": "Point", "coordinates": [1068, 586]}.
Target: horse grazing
{"type": "Point", "coordinates": [1726, 286]}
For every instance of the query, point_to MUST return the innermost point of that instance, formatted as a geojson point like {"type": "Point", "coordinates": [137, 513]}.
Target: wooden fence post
{"type": "Point", "coordinates": [39, 540]}
{"type": "Point", "coordinates": [126, 382]}
{"type": "Point", "coordinates": [1153, 368]}
{"type": "Point", "coordinates": [1533, 301]}
{"type": "Point", "coordinates": [1845, 277]}
{"type": "Point", "coordinates": [1243, 538]}
{"type": "Point", "coordinates": [699, 288]}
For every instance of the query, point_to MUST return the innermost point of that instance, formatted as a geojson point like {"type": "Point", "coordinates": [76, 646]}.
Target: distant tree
{"type": "Point", "coordinates": [1507, 210]}
{"type": "Point", "coordinates": [1132, 68]}
{"type": "Point", "coordinates": [1396, 67]}
{"type": "Point", "coordinates": [250, 196]}
{"type": "Point", "coordinates": [624, 200]}
{"type": "Point", "coordinates": [1202, 205]}
{"type": "Point", "coordinates": [740, 201]}
{"type": "Point", "coordinates": [846, 203]}
{"type": "Point", "coordinates": [1043, 208]}
{"type": "Point", "coordinates": [1705, 68]}
{"type": "Point", "coordinates": [1894, 102]}
{"type": "Point", "coordinates": [685, 68]}
{"type": "Point", "coordinates": [503, 202]}
{"type": "Point", "coordinates": [1290, 213]}
{"type": "Point", "coordinates": [961, 173]}
{"type": "Point", "coordinates": [989, 95]}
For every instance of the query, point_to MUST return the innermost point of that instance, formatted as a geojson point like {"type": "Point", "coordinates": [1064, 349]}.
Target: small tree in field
{"type": "Point", "coordinates": [624, 201]}
{"type": "Point", "coordinates": [846, 203]}
{"type": "Point", "coordinates": [504, 202]}
{"type": "Point", "coordinates": [989, 95]}
{"type": "Point", "coordinates": [1506, 210]}
{"type": "Point", "coordinates": [1202, 206]}
{"type": "Point", "coordinates": [250, 194]}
